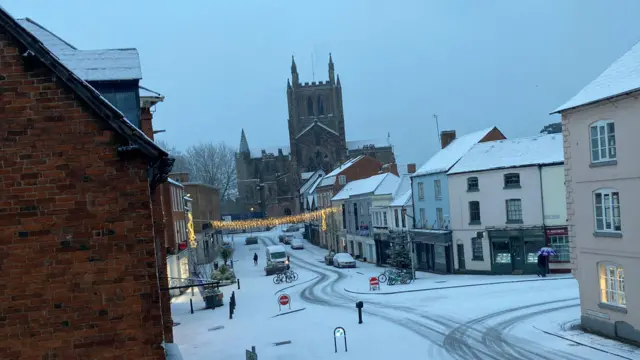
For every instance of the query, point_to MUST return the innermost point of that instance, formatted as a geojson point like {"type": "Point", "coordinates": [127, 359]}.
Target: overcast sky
{"type": "Point", "coordinates": [223, 65]}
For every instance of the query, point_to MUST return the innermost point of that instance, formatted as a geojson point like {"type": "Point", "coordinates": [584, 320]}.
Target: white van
{"type": "Point", "coordinates": [276, 256]}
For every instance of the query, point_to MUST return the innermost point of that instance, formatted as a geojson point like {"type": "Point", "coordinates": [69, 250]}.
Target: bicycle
{"type": "Point", "coordinates": [382, 278]}
{"type": "Point", "coordinates": [287, 276]}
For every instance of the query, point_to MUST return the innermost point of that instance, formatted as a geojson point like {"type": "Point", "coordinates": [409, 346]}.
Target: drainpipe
{"type": "Point", "coordinates": [542, 202]}
{"type": "Point", "coordinates": [413, 204]}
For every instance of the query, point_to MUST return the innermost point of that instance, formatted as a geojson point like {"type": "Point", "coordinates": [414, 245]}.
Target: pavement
{"type": "Point", "coordinates": [568, 329]}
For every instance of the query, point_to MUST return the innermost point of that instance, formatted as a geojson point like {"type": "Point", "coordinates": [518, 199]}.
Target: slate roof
{"type": "Point", "coordinates": [621, 77]}
{"type": "Point", "coordinates": [89, 65]}
{"type": "Point", "coordinates": [83, 90]}
{"type": "Point", "coordinates": [330, 178]}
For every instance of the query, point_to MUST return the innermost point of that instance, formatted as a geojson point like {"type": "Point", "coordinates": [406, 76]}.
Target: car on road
{"type": "Point", "coordinates": [328, 259]}
{"type": "Point", "coordinates": [286, 238]}
{"type": "Point", "coordinates": [297, 244]}
{"type": "Point", "coordinates": [344, 260]}
{"type": "Point", "coordinates": [251, 240]}
{"type": "Point", "coordinates": [292, 228]}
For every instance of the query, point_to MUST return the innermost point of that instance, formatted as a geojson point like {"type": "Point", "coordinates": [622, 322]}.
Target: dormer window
{"type": "Point", "coordinates": [342, 180]}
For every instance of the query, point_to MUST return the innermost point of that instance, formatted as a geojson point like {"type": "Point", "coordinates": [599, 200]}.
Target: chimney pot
{"type": "Point", "coordinates": [447, 137]}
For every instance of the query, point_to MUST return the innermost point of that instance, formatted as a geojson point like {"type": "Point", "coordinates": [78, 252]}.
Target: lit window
{"type": "Point", "coordinates": [561, 245]}
{"type": "Point", "coordinates": [612, 285]}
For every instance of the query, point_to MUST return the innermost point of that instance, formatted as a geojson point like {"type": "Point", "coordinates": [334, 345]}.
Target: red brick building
{"type": "Point", "coordinates": [81, 226]}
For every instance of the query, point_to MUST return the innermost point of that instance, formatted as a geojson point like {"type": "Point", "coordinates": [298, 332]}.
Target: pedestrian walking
{"type": "Point", "coordinates": [255, 259]}
{"type": "Point", "coordinates": [542, 265]}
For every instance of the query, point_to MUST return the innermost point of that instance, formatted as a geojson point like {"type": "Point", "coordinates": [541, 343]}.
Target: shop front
{"type": "Point", "coordinates": [382, 244]}
{"type": "Point", "coordinates": [558, 239]}
{"type": "Point", "coordinates": [433, 250]}
{"type": "Point", "coordinates": [515, 251]}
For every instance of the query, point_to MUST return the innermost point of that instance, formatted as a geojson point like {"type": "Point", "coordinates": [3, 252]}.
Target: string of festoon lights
{"type": "Point", "coordinates": [271, 222]}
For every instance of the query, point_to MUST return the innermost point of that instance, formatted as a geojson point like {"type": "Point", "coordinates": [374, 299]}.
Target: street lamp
{"type": "Point", "coordinates": [403, 211]}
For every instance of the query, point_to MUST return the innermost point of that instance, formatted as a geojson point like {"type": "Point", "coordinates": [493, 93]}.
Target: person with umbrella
{"type": "Point", "coordinates": [543, 260]}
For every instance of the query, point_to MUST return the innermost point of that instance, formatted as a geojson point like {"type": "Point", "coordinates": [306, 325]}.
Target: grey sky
{"type": "Point", "coordinates": [223, 65]}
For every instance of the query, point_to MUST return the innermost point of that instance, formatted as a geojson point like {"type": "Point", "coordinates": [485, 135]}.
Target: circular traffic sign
{"type": "Point", "coordinates": [284, 299]}
{"type": "Point", "coordinates": [338, 332]}
{"type": "Point", "coordinates": [373, 281]}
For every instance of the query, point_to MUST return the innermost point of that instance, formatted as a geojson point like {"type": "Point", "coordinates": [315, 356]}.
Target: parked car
{"type": "Point", "coordinates": [292, 228]}
{"type": "Point", "coordinates": [251, 240]}
{"type": "Point", "coordinates": [343, 260]}
{"type": "Point", "coordinates": [297, 244]}
{"type": "Point", "coordinates": [328, 259]}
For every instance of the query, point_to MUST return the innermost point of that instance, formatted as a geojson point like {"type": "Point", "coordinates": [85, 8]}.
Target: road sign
{"type": "Point", "coordinates": [374, 283]}
{"type": "Point", "coordinates": [284, 300]}
{"type": "Point", "coordinates": [338, 332]}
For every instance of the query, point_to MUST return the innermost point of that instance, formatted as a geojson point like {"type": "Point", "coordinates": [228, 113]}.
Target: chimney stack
{"type": "Point", "coordinates": [411, 168]}
{"type": "Point", "coordinates": [389, 168]}
{"type": "Point", "coordinates": [447, 137]}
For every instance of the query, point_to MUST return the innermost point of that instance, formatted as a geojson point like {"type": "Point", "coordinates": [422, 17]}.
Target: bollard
{"type": "Point", "coordinates": [230, 312]}
{"type": "Point", "coordinates": [191, 304]}
{"type": "Point", "coordinates": [232, 301]}
{"type": "Point", "coordinates": [238, 280]}
{"type": "Point", "coordinates": [359, 306]}
{"type": "Point", "coordinates": [192, 294]}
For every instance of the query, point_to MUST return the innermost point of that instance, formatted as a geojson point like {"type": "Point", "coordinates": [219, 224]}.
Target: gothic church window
{"type": "Point", "coordinates": [320, 106]}
{"type": "Point", "coordinates": [310, 107]}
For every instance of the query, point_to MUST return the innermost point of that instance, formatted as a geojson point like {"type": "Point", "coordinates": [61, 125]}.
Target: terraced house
{"type": "Point", "coordinates": [602, 177]}
{"type": "Point", "coordinates": [82, 229]}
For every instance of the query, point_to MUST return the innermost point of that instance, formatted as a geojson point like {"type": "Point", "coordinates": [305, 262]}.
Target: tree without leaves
{"type": "Point", "coordinates": [209, 163]}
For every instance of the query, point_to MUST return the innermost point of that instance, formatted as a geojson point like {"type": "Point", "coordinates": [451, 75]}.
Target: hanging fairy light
{"type": "Point", "coordinates": [324, 222]}
{"type": "Point", "coordinates": [191, 234]}
{"type": "Point", "coordinates": [271, 222]}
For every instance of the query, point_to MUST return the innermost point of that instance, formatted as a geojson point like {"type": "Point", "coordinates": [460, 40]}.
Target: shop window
{"type": "Point", "coordinates": [560, 244]}
{"type": "Point", "coordinates": [501, 252]}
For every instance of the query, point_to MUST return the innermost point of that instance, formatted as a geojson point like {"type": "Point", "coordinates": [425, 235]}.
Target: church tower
{"type": "Point", "coordinates": [316, 121]}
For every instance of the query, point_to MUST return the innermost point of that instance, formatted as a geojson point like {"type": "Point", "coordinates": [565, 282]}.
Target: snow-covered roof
{"type": "Point", "coordinates": [313, 187]}
{"type": "Point", "coordinates": [257, 153]}
{"type": "Point", "coordinates": [313, 178]}
{"type": "Point", "coordinates": [103, 65]}
{"type": "Point", "coordinates": [529, 151]}
{"type": "Point", "coordinates": [146, 92]}
{"type": "Point", "coordinates": [380, 184]}
{"type": "Point", "coordinates": [330, 178]}
{"type": "Point", "coordinates": [306, 175]}
{"type": "Point", "coordinates": [89, 65]}
{"type": "Point", "coordinates": [316, 123]}
{"type": "Point", "coordinates": [359, 144]}
{"type": "Point", "coordinates": [444, 159]}
{"type": "Point", "coordinates": [621, 77]}
{"type": "Point", "coordinates": [402, 200]}
{"type": "Point", "coordinates": [171, 181]}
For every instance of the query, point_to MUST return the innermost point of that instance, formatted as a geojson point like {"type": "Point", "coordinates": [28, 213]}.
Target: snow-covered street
{"type": "Point", "coordinates": [440, 317]}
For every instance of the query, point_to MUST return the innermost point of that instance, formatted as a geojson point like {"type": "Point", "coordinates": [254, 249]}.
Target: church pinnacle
{"type": "Point", "coordinates": [244, 145]}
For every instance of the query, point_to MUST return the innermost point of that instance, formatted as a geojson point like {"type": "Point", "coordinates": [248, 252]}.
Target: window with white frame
{"type": "Point", "coordinates": [474, 212]}
{"type": "Point", "coordinates": [396, 218]}
{"type": "Point", "coordinates": [384, 218]}
{"type": "Point", "coordinates": [612, 284]}
{"type": "Point", "coordinates": [603, 141]}
{"type": "Point", "coordinates": [560, 243]}
{"type": "Point", "coordinates": [342, 180]}
{"type": "Point", "coordinates": [440, 218]}
{"type": "Point", "coordinates": [421, 191]}
{"type": "Point", "coordinates": [423, 218]}
{"type": "Point", "coordinates": [403, 216]}
{"type": "Point", "coordinates": [514, 210]}
{"type": "Point", "coordinates": [607, 210]}
{"type": "Point", "coordinates": [437, 189]}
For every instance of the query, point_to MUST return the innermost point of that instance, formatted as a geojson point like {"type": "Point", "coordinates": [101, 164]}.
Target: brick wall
{"type": "Point", "coordinates": [76, 229]}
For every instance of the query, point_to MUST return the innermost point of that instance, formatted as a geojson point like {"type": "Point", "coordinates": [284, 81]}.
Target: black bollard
{"type": "Point", "coordinates": [359, 306]}
{"type": "Point", "coordinates": [191, 304]}
{"type": "Point", "coordinates": [230, 312]}
{"type": "Point", "coordinates": [238, 283]}
{"type": "Point", "coordinates": [233, 300]}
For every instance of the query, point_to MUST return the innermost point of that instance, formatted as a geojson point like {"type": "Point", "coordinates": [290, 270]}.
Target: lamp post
{"type": "Point", "coordinates": [251, 217]}
{"type": "Point", "coordinates": [413, 265]}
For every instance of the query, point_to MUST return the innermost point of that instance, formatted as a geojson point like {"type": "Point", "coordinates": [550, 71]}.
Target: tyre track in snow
{"type": "Point", "coordinates": [462, 340]}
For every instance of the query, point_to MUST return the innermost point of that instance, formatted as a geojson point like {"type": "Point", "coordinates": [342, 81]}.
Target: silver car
{"type": "Point", "coordinates": [297, 244]}
{"type": "Point", "coordinates": [344, 260]}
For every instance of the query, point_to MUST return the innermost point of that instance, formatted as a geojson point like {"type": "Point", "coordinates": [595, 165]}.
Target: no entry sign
{"type": "Point", "coordinates": [284, 300]}
{"type": "Point", "coordinates": [374, 283]}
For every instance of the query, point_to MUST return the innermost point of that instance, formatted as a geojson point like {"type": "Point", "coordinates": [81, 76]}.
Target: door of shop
{"type": "Point", "coordinates": [517, 255]}
{"type": "Point", "coordinates": [460, 250]}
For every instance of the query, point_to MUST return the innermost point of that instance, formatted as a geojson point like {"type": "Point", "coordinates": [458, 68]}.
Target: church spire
{"type": "Point", "coordinates": [244, 145]}
{"type": "Point", "coordinates": [332, 77]}
{"type": "Point", "coordinates": [294, 72]}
